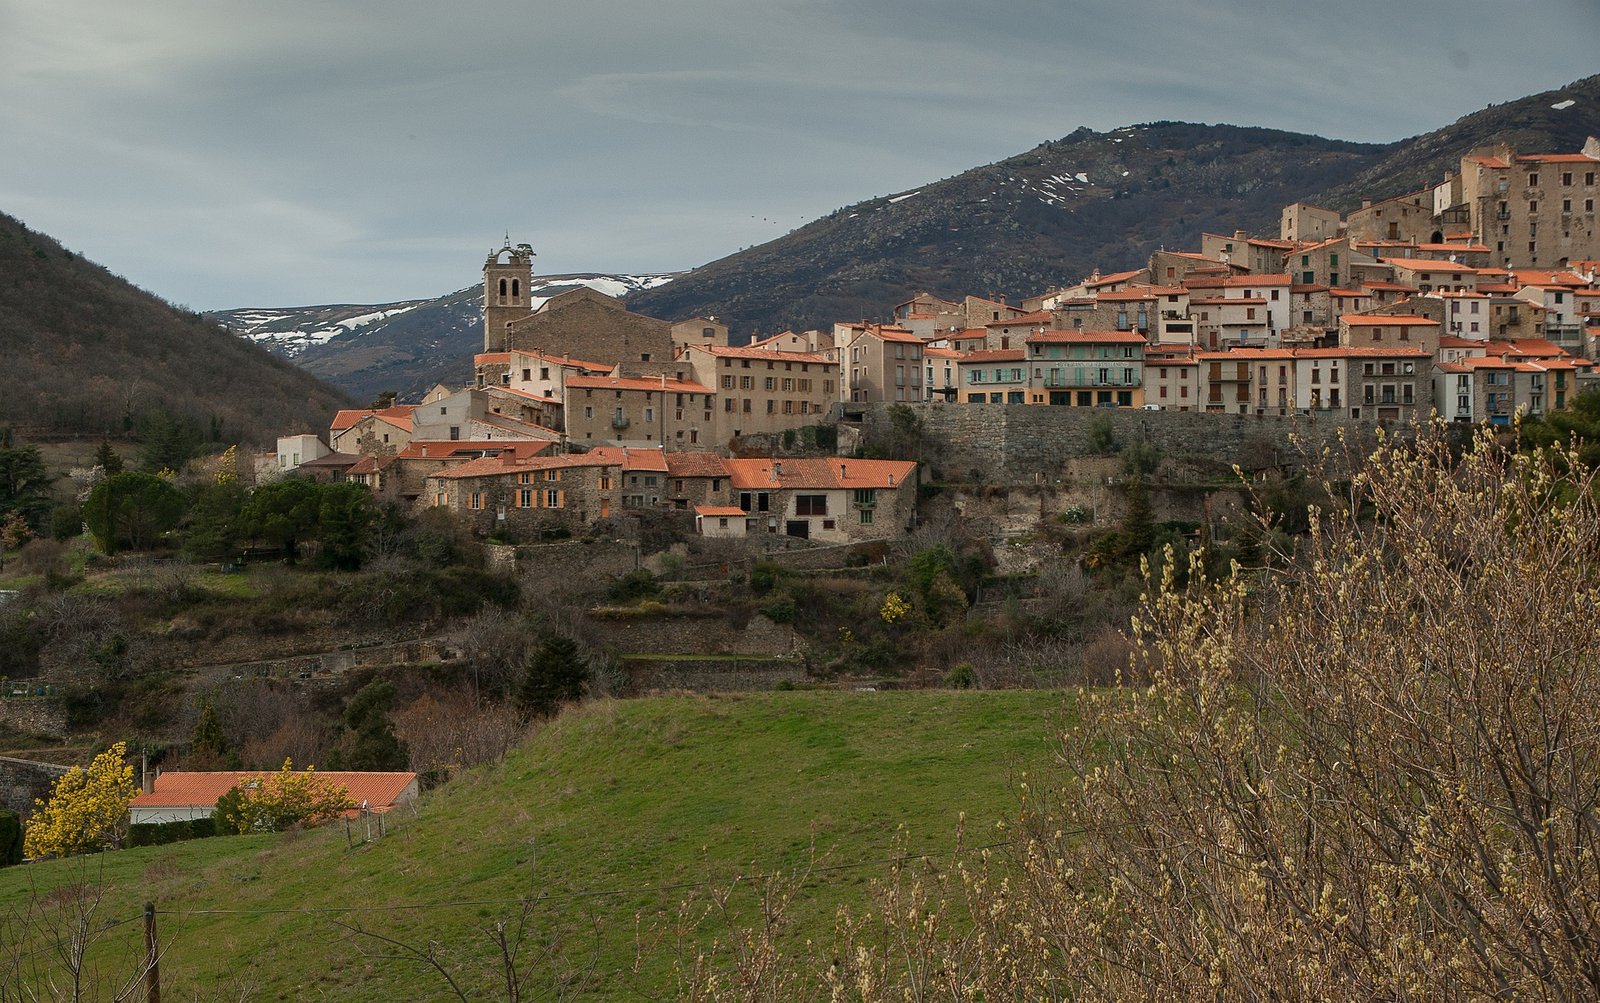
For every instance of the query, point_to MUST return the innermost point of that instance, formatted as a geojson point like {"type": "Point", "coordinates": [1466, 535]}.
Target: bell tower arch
{"type": "Point", "coordinates": [507, 274]}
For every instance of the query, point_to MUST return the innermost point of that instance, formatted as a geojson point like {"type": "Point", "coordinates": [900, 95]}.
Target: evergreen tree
{"type": "Point", "coordinates": [556, 674]}
{"type": "Point", "coordinates": [283, 513]}
{"type": "Point", "coordinates": [214, 523]}
{"type": "Point", "coordinates": [169, 443]}
{"type": "Point", "coordinates": [132, 510]}
{"type": "Point", "coordinates": [343, 520]}
{"type": "Point", "coordinates": [1138, 530]}
{"type": "Point", "coordinates": [208, 746]}
{"type": "Point", "coordinates": [107, 458]}
{"type": "Point", "coordinates": [24, 484]}
{"type": "Point", "coordinates": [367, 740]}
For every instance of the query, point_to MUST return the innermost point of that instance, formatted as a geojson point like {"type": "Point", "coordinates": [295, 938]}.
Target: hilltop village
{"type": "Point", "coordinates": [1477, 299]}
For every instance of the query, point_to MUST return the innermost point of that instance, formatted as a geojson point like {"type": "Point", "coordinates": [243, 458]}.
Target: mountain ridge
{"type": "Point", "coordinates": [87, 352]}
{"type": "Point", "coordinates": [1181, 179]}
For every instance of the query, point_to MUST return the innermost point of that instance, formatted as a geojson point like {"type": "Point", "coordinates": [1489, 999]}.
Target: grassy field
{"type": "Point", "coordinates": [617, 811]}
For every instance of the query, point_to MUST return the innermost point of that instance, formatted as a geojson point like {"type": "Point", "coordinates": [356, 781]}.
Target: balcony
{"type": "Point", "coordinates": [619, 422]}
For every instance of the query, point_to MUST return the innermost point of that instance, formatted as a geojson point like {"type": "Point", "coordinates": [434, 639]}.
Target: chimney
{"type": "Point", "coordinates": [777, 470]}
{"type": "Point", "coordinates": [1241, 235]}
{"type": "Point", "coordinates": [843, 470]}
{"type": "Point", "coordinates": [1366, 203]}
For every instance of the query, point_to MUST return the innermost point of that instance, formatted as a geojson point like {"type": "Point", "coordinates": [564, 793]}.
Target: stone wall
{"type": "Point", "coordinates": [1022, 444]}
{"type": "Point", "coordinates": [39, 717]}
{"type": "Point", "coordinates": [22, 780]}
{"type": "Point", "coordinates": [693, 634]}
{"type": "Point", "coordinates": [710, 675]}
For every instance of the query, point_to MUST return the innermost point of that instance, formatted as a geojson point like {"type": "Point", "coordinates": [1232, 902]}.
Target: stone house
{"type": "Point", "coordinates": [1397, 330]}
{"type": "Point", "coordinates": [881, 363]}
{"type": "Point", "coordinates": [1086, 368]}
{"type": "Point", "coordinates": [941, 381]}
{"type": "Point", "coordinates": [706, 332]}
{"type": "Point", "coordinates": [763, 390]}
{"type": "Point", "coordinates": [993, 377]}
{"type": "Point", "coordinates": [585, 324]}
{"type": "Point", "coordinates": [1536, 210]}
{"type": "Point", "coordinates": [695, 479]}
{"type": "Point", "coordinates": [510, 492]}
{"type": "Point", "coordinates": [1408, 218]}
{"type": "Point", "coordinates": [831, 500]}
{"type": "Point", "coordinates": [1302, 222]}
{"type": "Point", "coordinates": [1171, 378]}
{"type": "Point", "coordinates": [641, 412]}
{"type": "Point", "coordinates": [537, 374]}
{"type": "Point", "coordinates": [371, 431]}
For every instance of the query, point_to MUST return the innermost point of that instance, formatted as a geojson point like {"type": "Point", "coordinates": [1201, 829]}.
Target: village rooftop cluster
{"type": "Point", "coordinates": [1477, 299]}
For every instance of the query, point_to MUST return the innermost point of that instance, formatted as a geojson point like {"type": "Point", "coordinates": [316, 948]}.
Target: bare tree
{"type": "Point", "coordinates": [1371, 772]}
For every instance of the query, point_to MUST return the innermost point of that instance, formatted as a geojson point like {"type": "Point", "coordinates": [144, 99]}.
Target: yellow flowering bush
{"type": "Point", "coordinates": [87, 810]}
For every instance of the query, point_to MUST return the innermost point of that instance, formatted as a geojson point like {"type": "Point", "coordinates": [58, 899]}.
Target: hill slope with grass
{"type": "Point", "coordinates": [618, 811]}
{"type": "Point", "coordinates": [86, 352]}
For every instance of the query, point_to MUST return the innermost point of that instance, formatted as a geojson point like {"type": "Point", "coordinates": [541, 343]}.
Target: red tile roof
{"type": "Point", "coordinates": [183, 789]}
{"type": "Point", "coordinates": [658, 383]}
{"type": "Point", "coordinates": [1086, 338]}
{"type": "Point", "coordinates": [398, 415]}
{"type": "Point", "coordinates": [720, 510]}
{"type": "Point", "coordinates": [1378, 320]}
{"type": "Point", "coordinates": [685, 464]}
{"type": "Point", "coordinates": [836, 472]}
{"type": "Point", "coordinates": [768, 354]}
{"type": "Point", "coordinates": [996, 355]}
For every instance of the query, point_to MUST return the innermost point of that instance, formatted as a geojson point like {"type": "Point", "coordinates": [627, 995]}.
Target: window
{"type": "Point", "coordinates": [810, 504]}
{"type": "Point", "coordinates": [525, 498]}
{"type": "Point", "coordinates": [455, 432]}
{"type": "Point", "coordinates": [1533, 207]}
{"type": "Point", "coordinates": [476, 501]}
{"type": "Point", "coordinates": [1533, 180]}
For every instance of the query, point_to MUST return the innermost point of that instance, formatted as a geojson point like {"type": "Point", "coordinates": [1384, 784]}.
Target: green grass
{"type": "Point", "coordinates": [606, 807]}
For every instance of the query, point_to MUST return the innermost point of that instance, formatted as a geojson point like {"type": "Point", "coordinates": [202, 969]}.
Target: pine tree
{"type": "Point", "coordinates": [208, 746]}
{"type": "Point", "coordinates": [1138, 530]}
{"type": "Point", "coordinates": [368, 741]}
{"type": "Point", "coordinates": [107, 458]}
{"type": "Point", "coordinates": [556, 674]}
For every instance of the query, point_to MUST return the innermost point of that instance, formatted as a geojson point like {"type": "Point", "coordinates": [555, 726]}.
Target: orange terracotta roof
{"type": "Point", "coordinates": [995, 355]}
{"type": "Point", "coordinates": [768, 354]}
{"type": "Point", "coordinates": [657, 383]}
{"type": "Point", "coordinates": [720, 510]}
{"type": "Point", "coordinates": [932, 352]}
{"type": "Point", "coordinates": [184, 789]}
{"type": "Point", "coordinates": [1378, 320]}
{"type": "Point", "coordinates": [835, 472]}
{"type": "Point", "coordinates": [1139, 293]}
{"type": "Point", "coordinates": [1494, 162]}
{"type": "Point", "coordinates": [441, 449]}
{"type": "Point", "coordinates": [1115, 277]}
{"type": "Point", "coordinates": [398, 415]}
{"type": "Point", "coordinates": [507, 463]}
{"type": "Point", "coordinates": [699, 464]}
{"type": "Point", "coordinates": [899, 334]}
{"type": "Point", "coordinates": [562, 360]}
{"type": "Point", "coordinates": [1558, 158]}
{"type": "Point", "coordinates": [1245, 281]}
{"type": "Point", "coordinates": [1429, 265]}
{"type": "Point", "coordinates": [1086, 338]}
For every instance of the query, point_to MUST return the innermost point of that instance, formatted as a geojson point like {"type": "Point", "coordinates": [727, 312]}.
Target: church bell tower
{"type": "Point", "coordinates": [506, 276]}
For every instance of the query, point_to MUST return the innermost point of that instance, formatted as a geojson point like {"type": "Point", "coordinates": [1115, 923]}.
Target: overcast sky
{"type": "Point", "coordinates": [286, 152]}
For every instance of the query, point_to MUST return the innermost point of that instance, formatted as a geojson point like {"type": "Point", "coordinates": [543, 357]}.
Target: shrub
{"type": "Point", "coordinates": [633, 586]}
{"type": "Point", "coordinates": [162, 833]}
{"type": "Point", "coordinates": [962, 677]}
{"type": "Point", "coordinates": [10, 838]}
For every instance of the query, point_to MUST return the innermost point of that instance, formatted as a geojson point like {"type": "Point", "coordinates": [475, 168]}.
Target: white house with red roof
{"type": "Point", "coordinates": [182, 795]}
